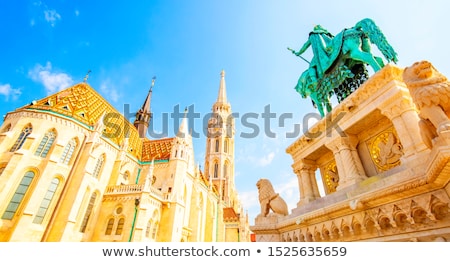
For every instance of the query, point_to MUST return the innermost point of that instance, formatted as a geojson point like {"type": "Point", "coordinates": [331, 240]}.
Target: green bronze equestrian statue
{"type": "Point", "coordinates": [339, 60]}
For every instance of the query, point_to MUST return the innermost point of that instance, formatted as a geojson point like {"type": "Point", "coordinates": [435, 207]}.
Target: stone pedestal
{"type": "Point", "coordinates": [388, 156]}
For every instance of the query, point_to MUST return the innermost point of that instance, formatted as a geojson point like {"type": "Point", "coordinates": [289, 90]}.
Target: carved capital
{"type": "Point", "coordinates": [392, 109]}
{"type": "Point", "coordinates": [304, 166]}
{"type": "Point", "coordinates": [341, 143]}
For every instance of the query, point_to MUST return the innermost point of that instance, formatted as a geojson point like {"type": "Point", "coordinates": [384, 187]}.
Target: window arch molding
{"type": "Point", "coordinates": [46, 143]}
{"type": "Point", "coordinates": [24, 133]}
{"type": "Point", "coordinates": [99, 165]}
{"type": "Point", "coordinates": [23, 190]}
{"type": "Point", "coordinates": [47, 203]}
{"type": "Point", "coordinates": [69, 150]}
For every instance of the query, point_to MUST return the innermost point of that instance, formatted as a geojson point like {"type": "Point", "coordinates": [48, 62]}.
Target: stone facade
{"type": "Point", "coordinates": [382, 156]}
{"type": "Point", "coordinates": [72, 168]}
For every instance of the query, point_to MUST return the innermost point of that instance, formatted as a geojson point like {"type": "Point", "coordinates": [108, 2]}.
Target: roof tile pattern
{"type": "Point", "coordinates": [82, 103]}
{"type": "Point", "coordinates": [157, 149]}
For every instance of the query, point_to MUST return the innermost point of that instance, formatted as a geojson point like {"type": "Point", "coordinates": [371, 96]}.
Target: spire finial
{"type": "Point", "coordinates": [222, 97]}
{"type": "Point", "coordinates": [86, 76]}
{"type": "Point", "coordinates": [153, 83]}
{"type": "Point", "coordinates": [183, 129]}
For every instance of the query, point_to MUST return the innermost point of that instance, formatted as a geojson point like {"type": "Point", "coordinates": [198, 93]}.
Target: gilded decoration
{"type": "Point", "coordinates": [385, 150]}
{"type": "Point", "coordinates": [331, 177]}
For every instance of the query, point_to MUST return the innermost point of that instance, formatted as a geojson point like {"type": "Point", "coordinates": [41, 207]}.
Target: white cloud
{"type": "Point", "coordinates": [52, 81]}
{"type": "Point", "coordinates": [289, 191]}
{"type": "Point", "coordinates": [266, 160]}
{"type": "Point", "coordinates": [9, 92]}
{"type": "Point", "coordinates": [108, 89]}
{"type": "Point", "coordinates": [251, 153]}
{"type": "Point", "coordinates": [84, 43]}
{"type": "Point", "coordinates": [51, 16]}
{"type": "Point", "coordinates": [250, 202]}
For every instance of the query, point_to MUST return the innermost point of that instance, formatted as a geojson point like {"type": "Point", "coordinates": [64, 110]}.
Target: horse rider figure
{"type": "Point", "coordinates": [321, 42]}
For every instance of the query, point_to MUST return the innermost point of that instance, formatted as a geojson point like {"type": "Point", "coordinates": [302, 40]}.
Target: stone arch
{"type": "Point", "coordinates": [309, 236]}
{"type": "Point", "coordinates": [20, 194]}
{"type": "Point", "coordinates": [399, 216]}
{"type": "Point", "coordinates": [345, 228]}
{"type": "Point", "coordinates": [99, 165]}
{"type": "Point", "coordinates": [356, 226]}
{"type": "Point", "coordinates": [326, 233]}
{"type": "Point", "coordinates": [70, 148]}
{"type": "Point", "coordinates": [301, 237]}
{"type": "Point", "coordinates": [216, 168]}
{"type": "Point", "coordinates": [418, 213]}
{"type": "Point", "coordinates": [335, 231]}
{"type": "Point", "coordinates": [317, 235]}
{"type": "Point", "coordinates": [7, 128]}
{"type": "Point", "coordinates": [46, 143]}
{"type": "Point", "coordinates": [294, 237]}
{"type": "Point", "coordinates": [438, 208]}
{"type": "Point", "coordinates": [20, 140]}
{"type": "Point", "coordinates": [369, 224]}
{"type": "Point", "coordinates": [226, 169]}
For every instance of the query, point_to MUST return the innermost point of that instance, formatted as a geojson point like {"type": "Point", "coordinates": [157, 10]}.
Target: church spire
{"type": "Point", "coordinates": [222, 97]}
{"type": "Point", "coordinates": [146, 106]}
{"type": "Point", "coordinates": [219, 156]}
{"type": "Point", "coordinates": [144, 115]}
{"type": "Point", "coordinates": [183, 129]}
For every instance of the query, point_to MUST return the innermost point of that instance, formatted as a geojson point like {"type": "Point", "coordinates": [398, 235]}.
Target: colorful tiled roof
{"type": "Point", "coordinates": [82, 103]}
{"type": "Point", "coordinates": [157, 149]}
{"type": "Point", "coordinates": [229, 214]}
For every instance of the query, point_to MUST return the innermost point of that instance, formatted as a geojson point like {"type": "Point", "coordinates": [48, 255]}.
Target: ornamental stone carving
{"type": "Point", "coordinates": [430, 91]}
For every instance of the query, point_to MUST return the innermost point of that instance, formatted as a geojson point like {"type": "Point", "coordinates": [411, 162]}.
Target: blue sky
{"type": "Point", "coordinates": [49, 45]}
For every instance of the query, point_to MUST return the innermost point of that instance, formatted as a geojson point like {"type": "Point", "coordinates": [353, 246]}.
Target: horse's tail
{"type": "Point", "coordinates": [377, 37]}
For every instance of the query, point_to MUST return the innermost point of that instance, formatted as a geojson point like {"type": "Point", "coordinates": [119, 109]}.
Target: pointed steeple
{"type": "Point", "coordinates": [183, 129]}
{"type": "Point", "coordinates": [222, 103]}
{"type": "Point", "coordinates": [222, 97]}
{"type": "Point", "coordinates": [144, 115]}
{"type": "Point", "coordinates": [146, 106]}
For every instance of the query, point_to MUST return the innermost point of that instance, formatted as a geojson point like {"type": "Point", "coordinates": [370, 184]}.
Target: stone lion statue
{"type": "Point", "coordinates": [269, 200]}
{"type": "Point", "coordinates": [430, 91]}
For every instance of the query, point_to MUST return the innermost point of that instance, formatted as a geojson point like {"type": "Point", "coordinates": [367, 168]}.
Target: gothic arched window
{"type": "Point", "coordinates": [217, 146]}
{"type": "Point", "coordinates": [17, 198]}
{"type": "Point", "coordinates": [26, 131]}
{"type": "Point", "coordinates": [216, 170]}
{"type": "Point", "coordinates": [109, 226]}
{"type": "Point", "coordinates": [88, 212]}
{"type": "Point", "coordinates": [98, 166]}
{"type": "Point", "coordinates": [45, 204]}
{"type": "Point", "coordinates": [120, 224]}
{"type": "Point", "coordinates": [46, 144]}
{"type": "Point", "coordinates": [68, 151]}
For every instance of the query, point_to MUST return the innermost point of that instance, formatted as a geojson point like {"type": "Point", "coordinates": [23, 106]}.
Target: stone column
{"type": "Point", "coordinates": [348, 163]}
{"type": "Point", "coordinates": [305, 170]}
{"type": "Point", "coordinates": [314, 185]}
{"type": "Point", "coordinates": [405, 119]}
